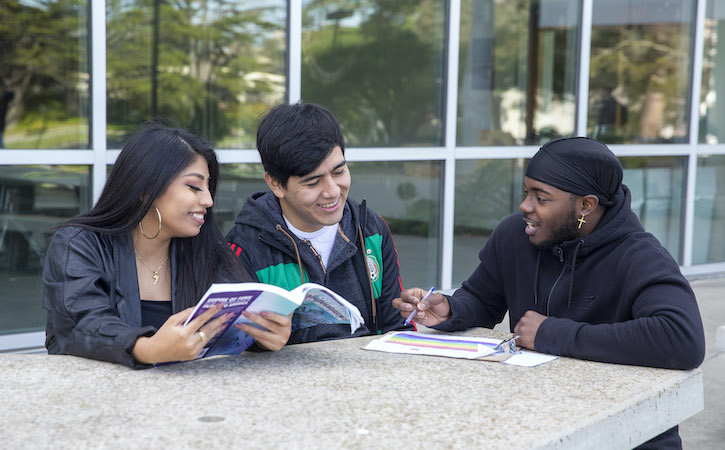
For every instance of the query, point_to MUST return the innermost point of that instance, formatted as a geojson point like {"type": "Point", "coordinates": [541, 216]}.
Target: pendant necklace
{"type": "Point", "coordinates": [156, 272]}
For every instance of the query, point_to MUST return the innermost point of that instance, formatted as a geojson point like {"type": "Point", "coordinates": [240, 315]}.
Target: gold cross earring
{"type": "Point", "coordinates": [581, 222]}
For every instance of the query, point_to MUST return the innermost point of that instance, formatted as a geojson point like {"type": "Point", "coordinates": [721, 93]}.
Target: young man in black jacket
{"type": "Point", "coordinates": [306, 229]}
{"type": "Point", "coordinates": [577, 273]}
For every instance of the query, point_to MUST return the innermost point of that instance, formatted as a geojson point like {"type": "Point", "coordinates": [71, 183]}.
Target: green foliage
{"type": "Point", "coordinates": [45, 65]}
{"type": "Point", "coordinates": [647, 67]}
{"type": "Point", "coordinates": [379, 71]}
{"type": "Point", "coordinates": [219, 65]}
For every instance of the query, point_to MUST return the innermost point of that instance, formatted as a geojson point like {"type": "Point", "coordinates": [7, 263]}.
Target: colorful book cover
{"type": "Point", "coordinates": [313, 305]}
{"type": "Point", "coordinates": [231, 341]}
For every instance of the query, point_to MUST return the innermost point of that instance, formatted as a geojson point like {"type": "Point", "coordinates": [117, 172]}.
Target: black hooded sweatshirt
{"type": "Point", "coordinates": [615, 295]}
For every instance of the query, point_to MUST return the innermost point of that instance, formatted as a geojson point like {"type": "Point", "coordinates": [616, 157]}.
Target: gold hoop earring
{"type": "Point", "coordinates": [158, 213]}
{"type": "Point", "coordinates": [581, 222]}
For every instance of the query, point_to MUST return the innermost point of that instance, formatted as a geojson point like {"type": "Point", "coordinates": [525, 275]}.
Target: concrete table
{"type": "Point", "coordinates": [335, 395]}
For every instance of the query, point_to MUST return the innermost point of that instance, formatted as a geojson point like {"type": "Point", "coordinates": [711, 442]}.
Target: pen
{"type": "Point", "coordinates": [415, 311]}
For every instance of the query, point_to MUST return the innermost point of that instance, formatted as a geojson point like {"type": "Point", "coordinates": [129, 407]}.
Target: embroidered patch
{"type": "Point", "coordinates": [373, 267]}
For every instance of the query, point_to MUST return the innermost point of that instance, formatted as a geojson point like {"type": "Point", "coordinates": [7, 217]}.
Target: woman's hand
{"type": "Point", "coordinates": [277, 329]}
{"type": "Point", "coordinates": [176, 342]}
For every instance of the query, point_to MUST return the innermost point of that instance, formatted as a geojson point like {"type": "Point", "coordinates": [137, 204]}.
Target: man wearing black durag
{"type": "Point", "coordinates": [578, 274]}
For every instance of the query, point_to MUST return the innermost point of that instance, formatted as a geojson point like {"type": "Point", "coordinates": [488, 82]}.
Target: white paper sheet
{"type": "Point", "coordinates": [416, 343]}
{"type": "Point", "coordinates": [529, 359]}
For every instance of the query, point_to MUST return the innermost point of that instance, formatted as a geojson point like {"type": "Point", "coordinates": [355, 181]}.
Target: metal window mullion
{"type": "Point", "coordinates": [449, 174]}
{"type": "Point", "coordinates": [585, 47]}
{"type": "Point", "coordinates": [695, 92]}
{"type": "Point", "coordinates": [46, 156]}
{"type": "Point", "coordinates": [22, 342]}
{"type": "Point", "coordinates": [294, 51]}
{"type": "Point", "coordinates": [98, 96]}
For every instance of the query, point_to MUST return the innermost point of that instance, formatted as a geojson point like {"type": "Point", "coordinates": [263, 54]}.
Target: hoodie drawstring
{"type": "Point", "coordinates": [297, 252]}
{"type": "Point", "coordinates": [573, 264]}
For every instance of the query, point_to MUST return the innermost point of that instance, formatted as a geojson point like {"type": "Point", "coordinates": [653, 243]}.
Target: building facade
{"type": "Point", "coordinates": [442, 103]}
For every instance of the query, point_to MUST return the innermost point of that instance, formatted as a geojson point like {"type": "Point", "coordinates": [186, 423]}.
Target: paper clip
{"type": "Point", "coordinates": [507, 346]}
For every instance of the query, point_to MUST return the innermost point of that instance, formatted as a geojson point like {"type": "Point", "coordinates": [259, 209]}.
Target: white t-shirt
{"type": "Point", "coordinates": [322, 240]}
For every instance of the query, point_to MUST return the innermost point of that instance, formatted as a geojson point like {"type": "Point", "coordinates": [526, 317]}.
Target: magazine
{"type": "Point", "coordinates": [313, 304]}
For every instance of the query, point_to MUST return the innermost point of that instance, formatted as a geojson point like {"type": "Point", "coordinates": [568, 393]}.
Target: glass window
{"type": "Point", "coordinates": [709, 225]}
{"type": "Point", "coordinates": [34, 200]}
{"type": "Point", "coordinates": [378, 66]}
{"type": "Point", "coordinates": [487, 191]}
{"type": "Point", "coordinates": [640, 70]}
{"type": "Point", "coordinates": [44, 74]}
{"type": "Point", "coordinates": [712, 112]}
{"type": "Point", "coordinates": [658, 194]}
{"type": "Point", "coordinates": [236, 183]}
{"type": "Point", "coordinates": [407, 195]}
{"type": "Point", "coordinates": [517, 75]}
{"type": "Point", "coordinates": [212, 66]}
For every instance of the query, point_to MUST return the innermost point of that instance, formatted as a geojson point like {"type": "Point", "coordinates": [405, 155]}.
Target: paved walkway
{"type": "Point", "coordinates": [706, 430]}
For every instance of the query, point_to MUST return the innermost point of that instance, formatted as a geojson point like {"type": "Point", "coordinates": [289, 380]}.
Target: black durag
{"type": "Point", "coordinates": [580, 166]}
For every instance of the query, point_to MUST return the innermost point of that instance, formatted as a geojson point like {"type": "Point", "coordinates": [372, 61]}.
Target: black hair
{"type": "Point", "coordinates": [293, 140]}
{"type": "Point", "coordinates": [151, 159]}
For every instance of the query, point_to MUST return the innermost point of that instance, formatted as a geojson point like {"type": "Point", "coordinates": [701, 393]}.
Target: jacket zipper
{"type": "Point", "coordinates": [559, 252]}
{"type": "Point", "coordinates": [317, 255]}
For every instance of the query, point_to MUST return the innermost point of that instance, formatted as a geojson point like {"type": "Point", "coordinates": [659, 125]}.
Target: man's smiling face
{"type": "Point", "coordinates": [550, 214]}
{"type": "Point", "coordinates": [317, 199]}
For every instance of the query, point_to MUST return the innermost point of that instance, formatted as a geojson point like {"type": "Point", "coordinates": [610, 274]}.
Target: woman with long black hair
{"type": "Point", "coordinates": [121, 279]}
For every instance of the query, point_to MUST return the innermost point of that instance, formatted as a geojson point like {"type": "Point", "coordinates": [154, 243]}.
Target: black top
{"type": "Point", "coordinates": [154, 312]}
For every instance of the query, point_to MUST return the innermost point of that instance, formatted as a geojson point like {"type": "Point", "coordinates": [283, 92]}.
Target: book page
{"type": "Point", "coordinates": [323, 306]}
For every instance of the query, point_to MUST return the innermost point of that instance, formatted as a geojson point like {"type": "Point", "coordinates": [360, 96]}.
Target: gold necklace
{"type": "Point", "coordinates": [156, 272]}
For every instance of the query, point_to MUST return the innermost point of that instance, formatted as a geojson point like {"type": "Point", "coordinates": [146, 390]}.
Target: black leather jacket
{"type": "Point", "coordinates": [92, 296]}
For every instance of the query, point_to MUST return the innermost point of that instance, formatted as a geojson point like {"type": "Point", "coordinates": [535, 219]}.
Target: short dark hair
{"type": "Point", "coordinates": [293, 140]}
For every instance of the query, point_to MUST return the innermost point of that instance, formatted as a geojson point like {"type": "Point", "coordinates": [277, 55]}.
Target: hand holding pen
{"type": "Point", "coordinates": [434, 310]}
{"type": "Point", "coordinates": [415, 311]}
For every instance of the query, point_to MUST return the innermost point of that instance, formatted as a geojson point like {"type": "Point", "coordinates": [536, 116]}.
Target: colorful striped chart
{"type": "Point", "coordinates": [413, 342]}
{"type": "Point", "coordinates": [431, 341]}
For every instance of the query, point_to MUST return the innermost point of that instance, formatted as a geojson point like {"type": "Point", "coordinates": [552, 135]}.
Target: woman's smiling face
{"type": "Point", "coordinates": [183, 204]}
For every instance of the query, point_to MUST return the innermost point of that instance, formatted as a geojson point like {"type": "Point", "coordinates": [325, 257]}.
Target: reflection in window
{"type": "Point", "coordinates": [709, 226]}
{"type": "Point", "coordinates": [657, 185]}
{"type": "Point", "coordinates": [44, 79]}
{"type": "Point", "coordinates": [639, 71]}
{"type": "Point", "coordinates": [378, 67]}
{"type": "Point", "coordinates": [236, 183]}
{"type": "Point", "coordinates": [517, 75]}
{"type": "Point", "coordinates": [34, 200]}
{"type": "Point", "coordinates": [487, 191]}
{"type": "Point", "coordinates": [712, 112]}
{"type": "Point", "coordinates": [407, 195]}
{"type": "Point", "coordinates": [212, 66]}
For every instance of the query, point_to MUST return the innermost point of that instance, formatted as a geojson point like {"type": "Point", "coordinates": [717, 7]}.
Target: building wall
{"type": "Point", "coordinates": [442, 103]}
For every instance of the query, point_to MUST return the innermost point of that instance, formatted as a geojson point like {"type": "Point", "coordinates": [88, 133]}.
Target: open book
{"type": "Point", "coordinates": [312, 303]}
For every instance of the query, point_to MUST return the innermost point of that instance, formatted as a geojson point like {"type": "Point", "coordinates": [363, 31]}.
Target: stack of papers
{"type": "Point", "coordinates": [413, 342]}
